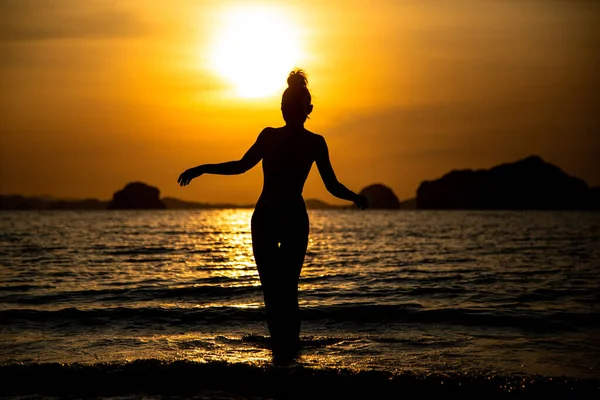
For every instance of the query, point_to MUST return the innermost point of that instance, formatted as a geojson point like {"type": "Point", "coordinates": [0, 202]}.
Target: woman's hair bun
{"type": "Point", "coordinates": [297, 79]}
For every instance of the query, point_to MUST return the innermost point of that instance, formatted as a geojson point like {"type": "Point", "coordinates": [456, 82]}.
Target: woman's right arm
{"type": "Point", "coordinates": [249, 160]}
{"type": "Point", "coordinates": [331, 182]}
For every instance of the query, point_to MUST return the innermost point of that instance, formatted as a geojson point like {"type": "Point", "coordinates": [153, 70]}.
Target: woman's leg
{"type": "Point", "coordinates": [279, 246]}
{"type": "Point", "coordinates": [265, 247]}
{"type": "Point", "coordinates": [292, 252]}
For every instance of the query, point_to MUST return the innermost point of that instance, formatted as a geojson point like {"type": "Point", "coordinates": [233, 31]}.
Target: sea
{"type": "Point", "coordinates": [466, 302]}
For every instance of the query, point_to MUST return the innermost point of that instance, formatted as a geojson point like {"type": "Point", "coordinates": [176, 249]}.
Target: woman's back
{"type": "Point", "coordinates": [288, 155]}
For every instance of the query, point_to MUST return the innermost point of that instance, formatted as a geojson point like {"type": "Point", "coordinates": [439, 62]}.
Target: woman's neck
{"type": "Point", "coordinates": [294, 125]}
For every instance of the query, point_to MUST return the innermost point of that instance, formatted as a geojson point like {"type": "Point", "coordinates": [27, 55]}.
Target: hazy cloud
{"type": "Point", "coordinates": [31, 20]}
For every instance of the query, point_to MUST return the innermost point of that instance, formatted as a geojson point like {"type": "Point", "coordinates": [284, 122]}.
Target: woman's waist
{"type": "Point", "coordinates": [280, 201]}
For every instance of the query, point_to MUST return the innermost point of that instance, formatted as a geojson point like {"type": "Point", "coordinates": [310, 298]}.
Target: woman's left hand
{"type": "Point", "coordinates": [361, 202]}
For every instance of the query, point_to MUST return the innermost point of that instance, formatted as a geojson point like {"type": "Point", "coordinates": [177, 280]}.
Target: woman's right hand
{"type": "Point", "coordinates": [186, 177]}
{"type": "Point", "coordinates": [361, 202]}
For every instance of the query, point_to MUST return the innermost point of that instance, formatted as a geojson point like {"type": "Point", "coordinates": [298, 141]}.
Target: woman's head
{"type": "Point", "coordinates": [296, 101]}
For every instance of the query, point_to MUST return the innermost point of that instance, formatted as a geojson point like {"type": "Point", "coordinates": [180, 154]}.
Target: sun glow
{"type": "Point", "coordinates": [255, 49]}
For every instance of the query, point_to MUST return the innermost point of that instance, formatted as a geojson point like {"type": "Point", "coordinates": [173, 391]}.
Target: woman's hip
{"type": "Point", "coordinates": [280, 221]}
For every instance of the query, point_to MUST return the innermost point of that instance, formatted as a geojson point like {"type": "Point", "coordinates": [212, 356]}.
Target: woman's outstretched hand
{"type": "Point", "coordinates": [186, 177]}
{"type": "Point", "coordinates": [361, 202]}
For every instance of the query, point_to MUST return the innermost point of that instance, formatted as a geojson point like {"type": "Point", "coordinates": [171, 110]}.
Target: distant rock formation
{"type": "Point", "coordinates": [85, 204]}
{"type": "Point", "coordinates": [18, 202]}
{"type": "Point", "coordinates": [174, 203]}
{"type": "Point", "coordinates": [137, 195]}
{"type": "Point", "coordinates": [15, 202]}
{"type": "Point", "coordinates": [526, 184]}
{"type": "Point", "coordinates": [410, 204]}
{"type": "Point", "coordinates": [381, 197]}
{"type": "Point", "coordinates": [594, 198]}
{"type": "Point", "coordinates": [315, 204]}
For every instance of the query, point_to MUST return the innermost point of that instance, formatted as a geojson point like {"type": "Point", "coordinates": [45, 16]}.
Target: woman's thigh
{"type": "Point", "coordinates": [279, 243]}
{"type": "Point", "coordinates": [294, 242]}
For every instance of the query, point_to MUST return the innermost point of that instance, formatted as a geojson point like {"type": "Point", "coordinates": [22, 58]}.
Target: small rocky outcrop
{"type": "Point", "coordinates": [136, 195]}
{"type": "Point", "coordinates": [594, 198]}
{"type": "Point", "coordinates": [315, 204]}
{"type": "Point", "coordinates": [527, 184]}
{"type": "Point", "coordinates": [381, 197]}
{"type": "Point", "coordinates": [409, 204]}
{"type": "Point", "coordinates": [18, 202]}
{"type": "Point", "coordinates": [85, 204]}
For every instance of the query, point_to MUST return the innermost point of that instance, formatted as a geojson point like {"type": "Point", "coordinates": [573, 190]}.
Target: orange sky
{"type": "Point", "coordinates": [99, 93]}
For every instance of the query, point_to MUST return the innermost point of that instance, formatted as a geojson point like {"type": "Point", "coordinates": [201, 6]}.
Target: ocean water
{"type": "Point", "coordinates": [425, 292]}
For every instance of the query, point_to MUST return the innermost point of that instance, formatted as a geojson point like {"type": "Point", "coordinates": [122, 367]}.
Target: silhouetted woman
{"type": "Point", "coordinates": [280, 222]}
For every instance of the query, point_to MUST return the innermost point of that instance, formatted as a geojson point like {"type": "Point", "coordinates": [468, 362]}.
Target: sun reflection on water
{"type": "Point", "coordinates": [234, 245]}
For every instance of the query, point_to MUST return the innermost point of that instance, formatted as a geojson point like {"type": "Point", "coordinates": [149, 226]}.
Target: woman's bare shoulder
{"type": "Point", "coordinates": [317, 143]}
{"type": "Point", "coordinates": [266, 133]}
{"type": "Point", "coordinates": [269, 130]}
{"type": "Point", "coordinates": [317, 137]}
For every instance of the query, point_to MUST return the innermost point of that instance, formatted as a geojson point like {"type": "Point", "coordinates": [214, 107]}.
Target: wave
{"type": "Point", "coordinates": [186, 379]}
{"type": "Point", "coordinates": [339, 314]}
{"type": "Point", "coordinates": [24, 288]}
{"type": "Point", "coordinates": [214, 288]}
{"type": "Point", "coordinates": [554, 294]}
{"type": "Point", "coordinates": [132, 294]}
{"type": "Point", "coordinates": [145, 250]}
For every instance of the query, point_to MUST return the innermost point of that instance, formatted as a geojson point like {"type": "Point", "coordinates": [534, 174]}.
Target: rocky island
{"type": "Point", "coordinates": [137, 195]}
{"type": "Point", "coordinates": [527, 184]}
{"type": "Point", "coordinates": [381, 197]}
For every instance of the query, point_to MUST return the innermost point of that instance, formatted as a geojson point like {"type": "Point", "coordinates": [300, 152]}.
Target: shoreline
{"type": "Point", "coordinates": [232, 380]}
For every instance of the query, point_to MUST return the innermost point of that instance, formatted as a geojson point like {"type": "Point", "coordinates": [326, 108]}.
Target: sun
{"type": "Point", "coordinates": [254, 50]}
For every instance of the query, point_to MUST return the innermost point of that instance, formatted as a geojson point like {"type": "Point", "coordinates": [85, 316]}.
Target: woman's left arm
{"type": "Point", "coordinates": [249, 160]}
